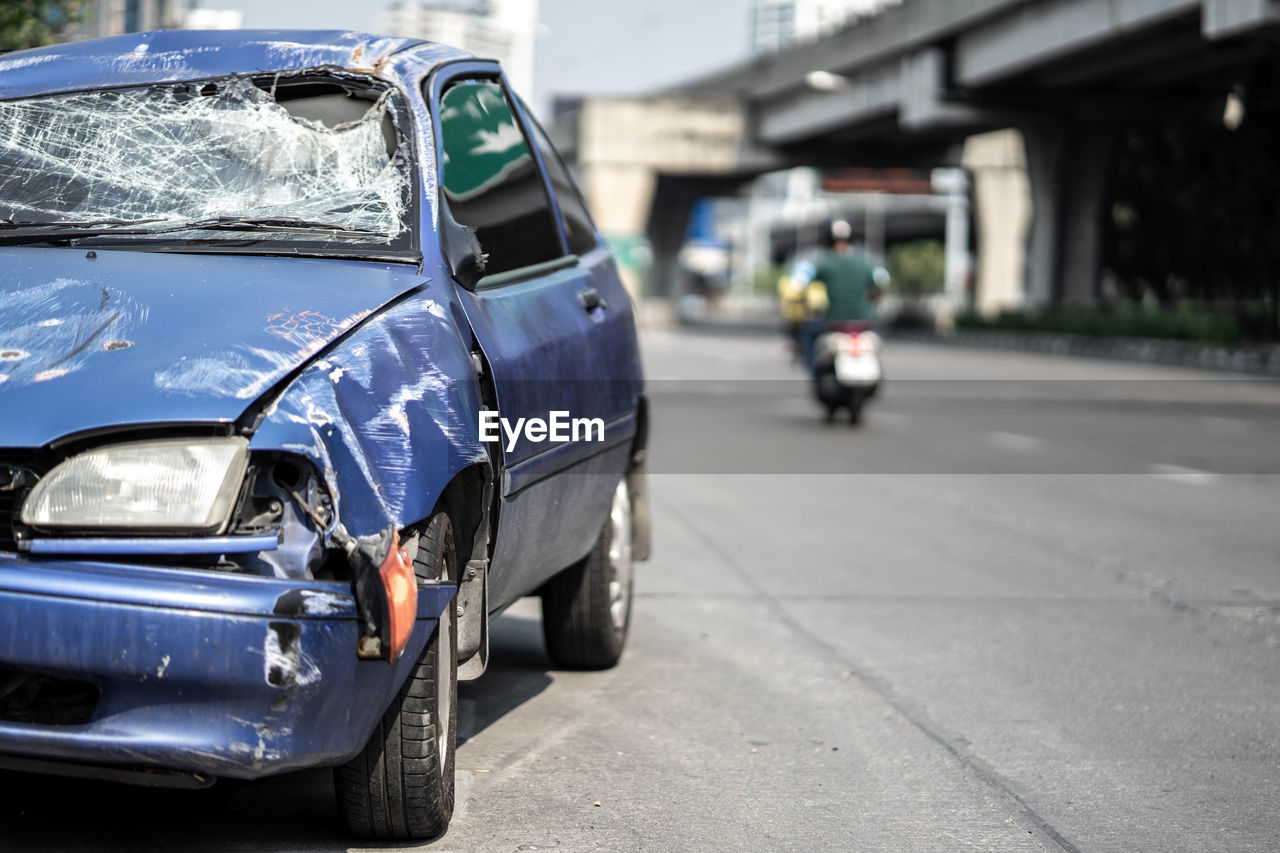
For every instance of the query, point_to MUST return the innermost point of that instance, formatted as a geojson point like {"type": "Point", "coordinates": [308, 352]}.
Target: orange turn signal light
{"type": "Point", "coordinates": [401, 586]}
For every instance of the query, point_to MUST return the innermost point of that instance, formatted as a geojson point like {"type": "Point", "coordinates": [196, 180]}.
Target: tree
{"type": "Point", "coordinates": [31, 23]}
{"type": "Point", "coordinates": [917, 268]}
{"type": "Point", "coordinates": [1195, 208]}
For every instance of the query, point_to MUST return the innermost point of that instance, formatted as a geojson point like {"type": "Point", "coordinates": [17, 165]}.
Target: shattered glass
{"type": "Point", "coordinates": [159, 157]}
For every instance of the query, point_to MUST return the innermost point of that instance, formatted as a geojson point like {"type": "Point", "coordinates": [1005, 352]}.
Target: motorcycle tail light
{"type": "Point", "coordinates": [856, 345]}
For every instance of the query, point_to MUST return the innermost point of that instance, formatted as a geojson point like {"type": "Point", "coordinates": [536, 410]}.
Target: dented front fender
{"type": "Point", "coordinates": [388, 415]}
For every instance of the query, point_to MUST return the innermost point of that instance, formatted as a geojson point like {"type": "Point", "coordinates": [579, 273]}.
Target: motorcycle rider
{"type": "Point", "coordinates": [850, 282]}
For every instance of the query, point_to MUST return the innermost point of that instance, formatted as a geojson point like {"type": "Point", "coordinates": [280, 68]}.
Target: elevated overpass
{"type": "Point", "coordinates": [910, 85]}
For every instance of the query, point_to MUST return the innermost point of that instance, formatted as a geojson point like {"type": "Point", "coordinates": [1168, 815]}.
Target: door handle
{"type": "Point", "coordinates": [591, 300]}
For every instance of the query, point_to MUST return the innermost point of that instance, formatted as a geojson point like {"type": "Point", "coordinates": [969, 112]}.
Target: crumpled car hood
{"type": "Point", "coordinates": [126, 337]}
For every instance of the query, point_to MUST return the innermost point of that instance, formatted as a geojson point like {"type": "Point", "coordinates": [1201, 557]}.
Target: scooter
{"type": "Point", "coordinates": [846, 368]}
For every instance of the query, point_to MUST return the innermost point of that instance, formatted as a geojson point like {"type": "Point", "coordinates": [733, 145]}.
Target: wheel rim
{"type": "Point", "coordinates": [620, 566]}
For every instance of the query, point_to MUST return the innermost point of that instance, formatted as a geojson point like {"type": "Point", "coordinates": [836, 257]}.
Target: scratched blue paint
{"type": "Point", "coordinates": [143, 337]}
{"type": "Point", "coordinates": [156, 642]}
{"type": "Point", "coordinates": [389, 415]}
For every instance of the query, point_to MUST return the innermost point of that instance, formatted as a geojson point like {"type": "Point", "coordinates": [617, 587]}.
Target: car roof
{"type": "Point", "coordinates": [170, 55]}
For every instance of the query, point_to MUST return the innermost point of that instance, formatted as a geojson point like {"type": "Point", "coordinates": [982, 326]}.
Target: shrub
{"type": "Point", "coordinates": [917, 268]}
{"type": "Point", "coordinates": [1127, 321]}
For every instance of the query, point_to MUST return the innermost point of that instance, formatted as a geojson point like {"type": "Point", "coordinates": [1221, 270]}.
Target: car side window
{"type": "Point", "coordinates": [491, 180]}
{"type": "Point", "coordinates": [578, 228]}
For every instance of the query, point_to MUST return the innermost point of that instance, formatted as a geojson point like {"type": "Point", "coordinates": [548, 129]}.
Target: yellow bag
{"type": "Point", "coordinates": [792, 299]}
{"type": "Point", "coordinates": [816, 300]}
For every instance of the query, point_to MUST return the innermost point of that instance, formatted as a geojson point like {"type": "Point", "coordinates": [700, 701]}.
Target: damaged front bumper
{"type": "Point", "coordinates": [162, 669]}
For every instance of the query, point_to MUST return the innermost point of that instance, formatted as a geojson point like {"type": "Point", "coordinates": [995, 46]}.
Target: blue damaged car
{"type": "Point", "coordinates": [312, 362]}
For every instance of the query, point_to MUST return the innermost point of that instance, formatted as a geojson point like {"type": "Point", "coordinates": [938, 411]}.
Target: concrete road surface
{"type": "Point", "coordinates": [1030, 604]}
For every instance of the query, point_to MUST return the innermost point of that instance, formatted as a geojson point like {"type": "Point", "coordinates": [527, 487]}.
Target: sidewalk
{"type": "Point", "coordinates": [1260, 360]}
{"type": "Point", "coordinates": [1263, 359]}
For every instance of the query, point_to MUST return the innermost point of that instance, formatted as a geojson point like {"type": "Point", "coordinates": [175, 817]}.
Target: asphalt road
{"type": "Point", "coordinates": [1030, 604]}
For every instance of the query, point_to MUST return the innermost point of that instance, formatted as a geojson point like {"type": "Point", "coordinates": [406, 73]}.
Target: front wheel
{"type": "Point", "coordinates": [855, 407]}
{"type": "Point", "coordinates": [586, 609]}
{"type": "Point", "coordinates": [401, 785]}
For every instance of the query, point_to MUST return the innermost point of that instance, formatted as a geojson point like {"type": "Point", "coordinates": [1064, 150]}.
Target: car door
{"type": "Point", "coordinates": [537, 314]}
{"type": "Point", "coordinates": [612, 334]}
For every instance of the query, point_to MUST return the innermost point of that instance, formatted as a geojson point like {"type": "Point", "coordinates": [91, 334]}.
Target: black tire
{"type": "Point", "coordinates": [584, 622]}
{"type": "Point", "coordinates": [855, 409]}
{"type": "Point", "coordinates": [401, 785]}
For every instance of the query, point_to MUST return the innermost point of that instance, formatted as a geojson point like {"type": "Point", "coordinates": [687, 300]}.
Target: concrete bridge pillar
{"type": "Point", "coordinates": [1088, 160]}
{"type": "Point", "coordinates": [1067, 166]}
{"type": "Point", "coordinates": [1002, 212]}
{"type": "Point", "coordinates": [1043, 146]}
{"type": "Point", "coordinates": [673, 201]}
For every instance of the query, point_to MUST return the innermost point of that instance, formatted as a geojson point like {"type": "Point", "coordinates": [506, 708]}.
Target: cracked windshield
{"type": "Point", "coordinates": [222, 156]}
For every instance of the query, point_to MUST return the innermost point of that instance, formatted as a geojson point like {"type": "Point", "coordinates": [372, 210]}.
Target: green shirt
{"type": "Point", "coordinates": [849, 279]}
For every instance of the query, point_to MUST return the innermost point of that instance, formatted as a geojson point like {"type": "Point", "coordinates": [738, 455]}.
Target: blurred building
{"type": "Point", "coordinates": [645, 162]}
{"type": "Point", "coordinates": [777, 23]}
{"type": "Point", "coordinates": [213, 19]}
{"type": "Point", "coordinates": [115, 17]}
{"type": "Point", "coordinates": [492, 29]}
{"type": "Point", "coordinates": [794, 201]}
{"type": "Point", "coordinates": [620, 146]}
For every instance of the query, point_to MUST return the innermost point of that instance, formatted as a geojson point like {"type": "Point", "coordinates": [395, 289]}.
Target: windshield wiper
{"type": "Point", "coordinates": [73, 225]}
{"type": "Point", "coordinates": [263, 223]}
{"type": "Point", "coordinates": [71, 231]}
{"type": "Point", "coordinates": [131, 227]}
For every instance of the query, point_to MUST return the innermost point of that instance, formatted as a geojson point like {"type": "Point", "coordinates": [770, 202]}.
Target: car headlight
{"type": "Point", "coordinates": [174, 485]}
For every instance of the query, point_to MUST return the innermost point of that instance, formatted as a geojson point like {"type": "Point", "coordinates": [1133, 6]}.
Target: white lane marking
{"type": "Point", "coordinates": [1014, 442]}
{"type": "Point", "coordinates": [1183, 475]}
